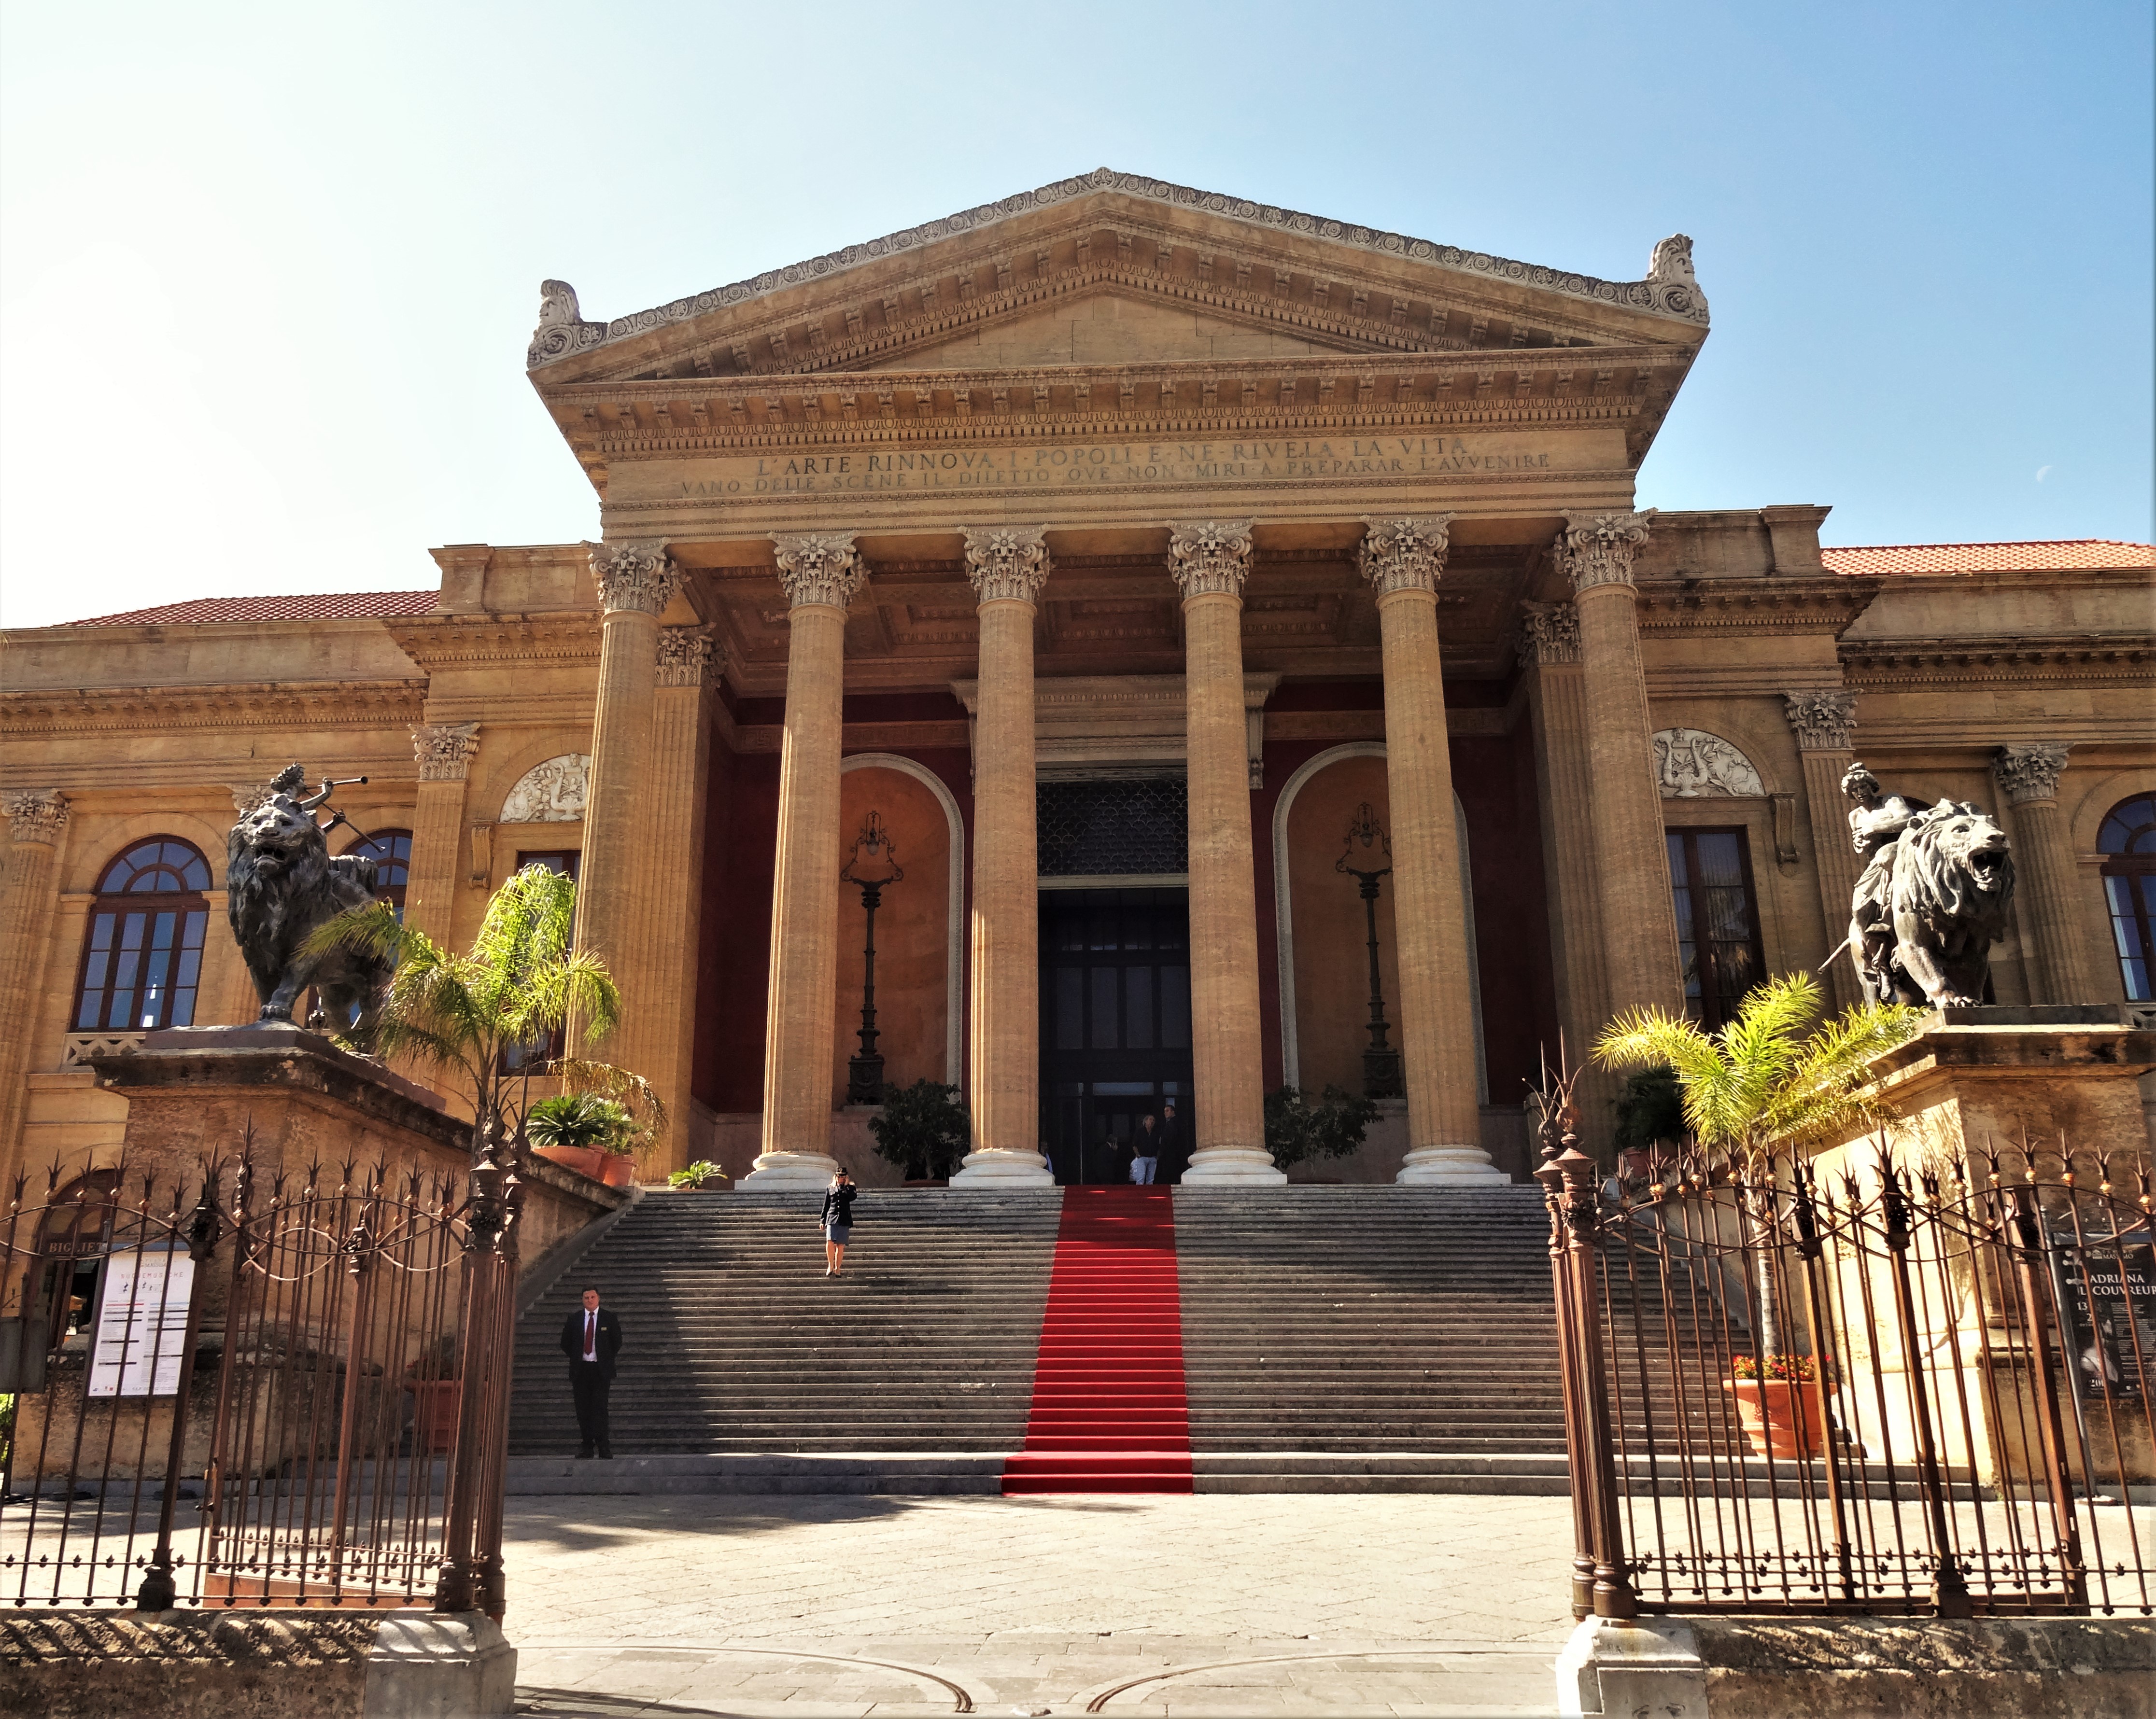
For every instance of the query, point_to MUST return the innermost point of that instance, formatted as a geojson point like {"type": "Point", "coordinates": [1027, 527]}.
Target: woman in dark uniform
{"type": "Point", "coordinates": [837, 1222]}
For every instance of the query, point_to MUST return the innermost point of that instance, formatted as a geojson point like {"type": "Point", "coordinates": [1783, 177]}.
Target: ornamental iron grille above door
{"type": "Point", "coordinates": [1137, 828]}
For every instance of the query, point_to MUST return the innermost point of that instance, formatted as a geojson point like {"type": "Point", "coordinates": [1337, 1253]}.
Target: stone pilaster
{"type": "Point", "coordinates": [1209, 560]}
{"type": "Point", "coordinates": [2028, 774]}
{"type": "Point", "coordinates": [444, 752]}
{"type": "Point", "coordinates": [820, 574]}
{"type": "Point", "coordinates": [1403, 559]}
{"type": "Point", "coordinates": [659, 1039]}
{"type": "Point", "coordinates": [614, 913]}
{"type": "Point", "coordinates": [1548, 649]}
{"type": "Point", "coordinates": [36, 826]}
{"type": "Point", "coordinates": [1639, 924]}
{"type": "Point", "coordinates": [1007, 565]}
{"type": "Point", "coordinates": [1825, 723]}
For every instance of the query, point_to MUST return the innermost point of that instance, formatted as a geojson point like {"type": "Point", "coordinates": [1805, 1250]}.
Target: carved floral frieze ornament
{"type": "Point", "coordinates": [818, 567]}
{"type": "Point", "coordinates": [1209, 556]}
{"type": "Point", "coordinates": [1824, 721]}
{"type": "Point", "coordinates": [444, 749]}
{"type": "Point", "coordinates": [550, 792]}
{"type": "Point", "coordinates": [639, 577]}
{"type": "Point", "coordinates": [36, 816]}
{"type": "Point", "coordinates": [1549, 633]}
{"type": "Point", "coordinates": [1692, 764]}
{"type": "Point", "coordinates": [1597, 548]}
{"type": "Point", "coordinates": [1404, 554]}
{"type": "Point", "coordinates": [2029, 771]}
{"type": "Point", "coordinates": [684, 656]}
{"type": "Point", "coordinates": [1007, 562]}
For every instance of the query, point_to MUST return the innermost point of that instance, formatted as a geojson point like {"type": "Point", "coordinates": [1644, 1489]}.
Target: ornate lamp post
{"type": "Point", "coordinates": [1367, 841]}
{"type": "Point", "coordinates": [873, 866]}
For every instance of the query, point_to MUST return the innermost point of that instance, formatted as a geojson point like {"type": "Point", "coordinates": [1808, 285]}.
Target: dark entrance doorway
{"type": "Point", "coordinates": [1115, 1025]}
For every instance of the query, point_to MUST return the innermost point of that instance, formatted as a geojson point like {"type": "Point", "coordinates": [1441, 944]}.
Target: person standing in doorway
{"type": "Point", "coordinates": [1174, 1156]}
{"type": "Point", "coordinates": [591, 1338]}
{"type": "Point", "coordinates": [837, 1223]}
{"type": "Point", "coordinates": [1145, 1152]}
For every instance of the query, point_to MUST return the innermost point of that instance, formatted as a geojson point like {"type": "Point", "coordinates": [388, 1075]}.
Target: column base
{"type": "Point", "coordinates": [1428, 1164]}
{"type": "Point", "coordinates": [1002, 1167]}
{"type": "Point", "coordinates": [1252, 1165]}
{"type": "Point", "coordinates": [791, 1169]}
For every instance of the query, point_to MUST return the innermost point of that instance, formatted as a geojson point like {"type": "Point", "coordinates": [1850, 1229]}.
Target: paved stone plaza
{"type": "Point", "coordinates": [1218, 1604]}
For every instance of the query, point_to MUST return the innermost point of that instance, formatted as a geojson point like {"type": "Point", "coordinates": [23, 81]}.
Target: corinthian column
{"type": "Point", "coordinates": [636, 581]}
{"type": "Point", "coordinates": [821, 575]}
{"type": "Point", "coordinates": [37, 824]}
{"type": "Point", "coordinates": [2029, 776]}
{"type": "Point", "coordinates": [1548, 649]}
{"type": "Point", "coordinates": [1210, 561]}
{"type": "Point", "coordinates": [1825, 723]}
{"type": "Point", "coordinates": [444, 752]}
{"type": "Point", "coordinates": [1007, 565]}
{"type": "Point", "coordinates": [1640, 921]}
{"type": "Point", "coordinates": [1404, 558]}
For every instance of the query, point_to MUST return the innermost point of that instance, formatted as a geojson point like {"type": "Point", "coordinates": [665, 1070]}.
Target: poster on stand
{"type": "Point", "coordinates": [141, 1323]}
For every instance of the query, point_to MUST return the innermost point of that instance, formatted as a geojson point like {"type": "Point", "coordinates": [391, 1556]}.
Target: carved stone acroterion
{"type": "Point", "coordinates": [819, 568]}
{"type": "Point", "coordinates": [36, 816]}
{"type": "Point", "coordinates": [1209, 557]}
{"type": "Point", "coordinates": [1823, 721]}
{"type": "Point", "coordinates": [444, 750]}
{"type": "Point", "coordinates": [1597, 548]}
{"type": "Point", "coordinates": [1404, 554]}
{"type": "Point", "coordinates": [2029, 771]}
{"type": "Point", "coordinates": [640, 577]}
{"type": "Point", "coordinates": [1007, 562]}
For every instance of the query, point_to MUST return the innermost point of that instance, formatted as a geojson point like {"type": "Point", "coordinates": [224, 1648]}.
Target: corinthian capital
{"type": "Point", "coordinates": [816, 568]}
{"type": "Point", "coordinates": [444, 749]}
{"type": "Point", "coordinates": [1209, 555]}
{"type": "Point", "coordinates": [1006, 562]}
{"type": "Point", "coordinates": [2029, 771]}
{"type": "Point", "coordinates": [1404, 554]}
{"type": "Point", "coordinates": [36, 816]}
{"type": "Point", "coordinates": [1824, 721]}
{"type": "Point", "coordinates": [1597, 548]}
{"type": "Point", "coordinates": [1549, 633]}
{"type": "Point", "coordinates": [641, 577]}
{"type": "Point", "coordinates": [684, 656]}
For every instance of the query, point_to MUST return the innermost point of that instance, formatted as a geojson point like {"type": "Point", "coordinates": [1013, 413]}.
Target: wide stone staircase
{"type": "Point", "coordinates": [1378, 1338]}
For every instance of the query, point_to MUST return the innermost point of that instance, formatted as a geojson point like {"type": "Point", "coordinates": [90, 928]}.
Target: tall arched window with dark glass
{"type": "Point", "coordinates": [142, 960]}
{"type": "Point", "coordinates": [391, 851]}
{"type": "Point", "coordinates": [2127, 843]}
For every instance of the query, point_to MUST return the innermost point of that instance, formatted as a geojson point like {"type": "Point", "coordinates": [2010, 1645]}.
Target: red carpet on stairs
{"type": "Point", "coordinates": [1109, 1412]}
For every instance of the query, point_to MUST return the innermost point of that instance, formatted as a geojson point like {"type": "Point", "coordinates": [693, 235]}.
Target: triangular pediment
{"type": "Point", "coordinates": [1117, 268]}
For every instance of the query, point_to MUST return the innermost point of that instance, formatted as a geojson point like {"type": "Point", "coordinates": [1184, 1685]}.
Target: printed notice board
{"type": "Point", "coordinates": [142, 1324]}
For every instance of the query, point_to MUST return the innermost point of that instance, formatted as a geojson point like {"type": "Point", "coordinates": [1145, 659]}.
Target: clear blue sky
{"type": "Point", "coordinates": [269, 271]}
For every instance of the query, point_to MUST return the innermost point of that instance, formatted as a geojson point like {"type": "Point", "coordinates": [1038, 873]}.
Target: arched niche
{"type": "Point", "coordinates": [1317, 909]}
{"type": "Point", "coordinates": [920, 926]}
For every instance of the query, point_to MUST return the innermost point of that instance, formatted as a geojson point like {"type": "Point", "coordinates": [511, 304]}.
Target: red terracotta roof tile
{"type": "Point", "coordinates": [2075, 555]}
{"type": "Point", "coordinates": [321, 606]}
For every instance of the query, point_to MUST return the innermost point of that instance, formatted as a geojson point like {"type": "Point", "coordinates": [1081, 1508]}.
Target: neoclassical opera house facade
{"type": "Point", "coordinates": [1150, 576]}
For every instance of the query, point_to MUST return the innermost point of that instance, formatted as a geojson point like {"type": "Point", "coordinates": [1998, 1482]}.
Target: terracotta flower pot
{"type": "Point", "coordinates": [436, 1403]}
{"type": "Point", "coordinates": [585, 1160]}
{"type": "Point", "coordinates": [1781, 1417]}
{"type": "Point", "coordinates": [619, 1170]}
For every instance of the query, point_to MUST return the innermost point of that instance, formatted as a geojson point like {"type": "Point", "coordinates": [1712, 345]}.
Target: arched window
{"type": "Point", "coordinates": [391, 851]}
{"type": "Point", "coordinates": [2128, 842]}
{"type": "Point", "coordinates": [143, 959]}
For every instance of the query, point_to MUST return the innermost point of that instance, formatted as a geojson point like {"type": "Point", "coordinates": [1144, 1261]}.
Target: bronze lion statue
{"type": "Point", "coordinates": [282, 884]}
{"type": "Point", "coordinates": [1952, 883]}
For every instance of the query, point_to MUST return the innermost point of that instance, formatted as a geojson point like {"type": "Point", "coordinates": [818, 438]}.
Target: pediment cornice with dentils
{"type": "Point", "coordinates": [955, 290]}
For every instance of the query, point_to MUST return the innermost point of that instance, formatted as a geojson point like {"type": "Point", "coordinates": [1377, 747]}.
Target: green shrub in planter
{"type": "Point", "coordinates": [1297, 1130]}
{"type": "Point", "coordinates": [924, 1128]}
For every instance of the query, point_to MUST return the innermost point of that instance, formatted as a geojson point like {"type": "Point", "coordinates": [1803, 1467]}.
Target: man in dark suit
{"type": "Point", "coordinates": [591, 1338]}
{"type": "Point", "coordinates": [1174, 1148]}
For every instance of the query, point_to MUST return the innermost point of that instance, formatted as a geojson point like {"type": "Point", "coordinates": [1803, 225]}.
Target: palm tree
{"type": "Point", "coordinates": [476, 1018]}
{"type": "Point", "coordinates": [1761, 1084]}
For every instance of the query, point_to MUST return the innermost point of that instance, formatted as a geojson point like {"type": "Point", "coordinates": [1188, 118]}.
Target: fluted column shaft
{"type": "Point", "coordinates": [1008, 566]}
{"type": "Point", "coordinates": [1639, 924]}
{"type": "Point", "coordinates": [1403, 559]}
{"type": "Point", "coordinates": [1825, 723]}
{"type": "Point", "coordinates": [38, 825]}
{"type": "Point", "coordinates": [1564, 792]}
{"type": "Point", "coordinates": [1210, 561]}
{"type": "Point", "coordinates": [444, 753]}
{"type": "Point", "coordinates": [820, 575]}
{"type": "Point", "coordinates": [2047, 877]}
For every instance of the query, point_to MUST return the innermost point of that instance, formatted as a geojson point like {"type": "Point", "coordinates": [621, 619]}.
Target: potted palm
{"type": "Point", "coordinates": [597, 1137]}
{"type": "Point", "coordinates": [1760, 1087]}
{"type": "Point", "coordinates": [474, 1018]}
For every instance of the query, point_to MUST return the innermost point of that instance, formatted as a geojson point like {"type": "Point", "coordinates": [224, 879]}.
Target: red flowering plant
{"type": "Point", "coordinates": [1790, 1369]}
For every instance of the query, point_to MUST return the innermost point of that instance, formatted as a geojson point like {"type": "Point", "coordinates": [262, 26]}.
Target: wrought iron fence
{"type": "Point", "coordinates": [1859, 1384]}
{"type": "Point", "coordinates": [253, 1388]}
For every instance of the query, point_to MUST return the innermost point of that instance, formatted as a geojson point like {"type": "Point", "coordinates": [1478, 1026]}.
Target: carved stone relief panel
{"type": "Point", "coordinates": [1692, 764]}
{"type": "Point", "coordinates": [551, 793]}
